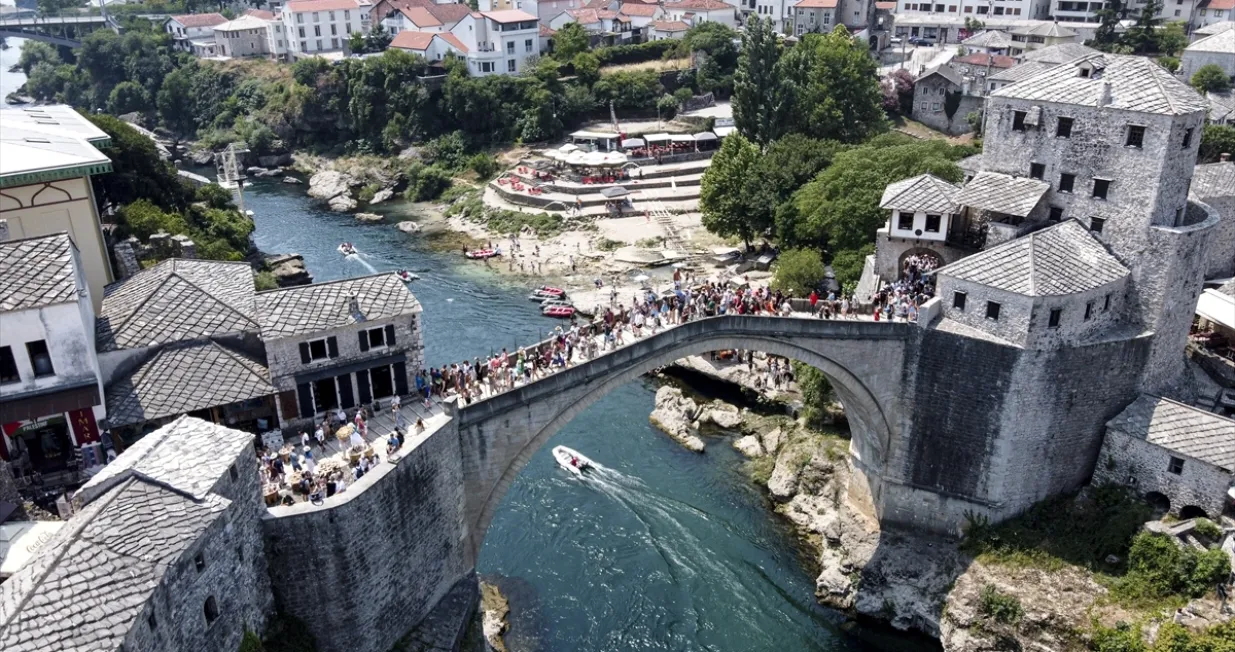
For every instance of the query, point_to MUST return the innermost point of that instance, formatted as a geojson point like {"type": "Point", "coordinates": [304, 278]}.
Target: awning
{"type": "Point", "coordinates": [594, 135]}
{"type": "Point", "coordinates": [657, 138]}
{"type": "Point", "coordinates": [568, 148]}
{"type": "Point", "coordinates": [594, 159]}
{"type": "Point", "coordinates": [704, 135]}
{"type": "Point", "coordinates": [633, 142]}
{"type": "Point", "coordinates": [682, 138]}
{"type": "Point", "coordinates": [724, 131]}
{"type": "Point", "coordinates": [314, 376]}
{"type": "Point", "coordinates": [614, 158]}
{"type": "Point", "coordinates": [25, 406]}
{"type": "Point", "coordinates": [1217, 308]}
{"type": "Point", "coordinates": [21, 540]}
{"type": "Point", "coordinates": [1002, 193]}
{"type": "Point", "coordinates": [615, 191]}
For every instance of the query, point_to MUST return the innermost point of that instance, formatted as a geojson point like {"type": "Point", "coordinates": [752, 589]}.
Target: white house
{"type": "Point", "coordinates": [695, 12]}
{"type": "Point", "coordinates": [814, 16]}
{"type": "Point", "coordinates": [49, 371]}
{"type": "Point", "coordinates": [1210, 12]}
{"type": "Point", "coordinates": [247, 36]}
{"type": "Point", "coordinates": [1218, 49]}
{"type": "Point", "coordinates": [438, 18]}
{"type": "Point", "coordinates": [498, 42]}
{"type": "Point", "coordinates": [667, 29]}
{"type": "Point", "coordinates": [323, 26]}
{"type": "Point", "coordinates": [187, 28]}
{"type": "Point", "coordinates": [432, 46]}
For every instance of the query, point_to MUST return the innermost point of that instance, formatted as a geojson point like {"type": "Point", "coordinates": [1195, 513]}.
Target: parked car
{"type": "Point", "coordinates": [896, 40]}
{"type": "Point", "coordinates": [921, 40]}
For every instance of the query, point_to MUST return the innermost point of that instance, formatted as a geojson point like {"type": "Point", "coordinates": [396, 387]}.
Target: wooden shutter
{"type": "Point", "coordinates": [332, 346]}
{"type": "Point", "coordinates": [362, 382]}
{"type": "Point", "coordinates": [346, 399]}
{"type": "Point", "coordinates": [390, 334]}
{"type": "Point", "coordinates": [305, 393]}
{"type": "Point", "coordinates": [400, 377]}
{"type": "Point", "coordinates": [287, 404]}
{"type": "Point", "coordinates": [304, 353]}
{"type": "Point", "coordinates": [364, 340]}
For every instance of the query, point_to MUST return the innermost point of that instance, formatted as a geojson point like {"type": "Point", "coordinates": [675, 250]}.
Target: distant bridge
{"type": "Point", "coordinates": [56, 30]}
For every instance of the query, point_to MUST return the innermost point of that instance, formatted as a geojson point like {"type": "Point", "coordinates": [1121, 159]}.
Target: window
{"type": "Point", "coordinates": [317, 30]}
{"type": "Point", "coordinates": [1037, 170]}
{"type": "Point", "coordinates": [1066, 182]}
{"type": "Point", "coordinates": [302, 34]}
{"type": "Point", "coordinates": [1187, 139]}
{"type": "Point", "coordinates": [1063, 128]}
{"type": "Point", "coordinates": [1136, 136]}
{"type": "Point", "coordinates": [1056, 213]}
{"type": "Point", "coordinates": [231, 470]}
{"type": "Point", "coordinates": [304, 46]}
{"type": "Point", "coordinates": [1106, 302]}
{"type": "Point", "coordinates": [334, 44]}
{"type": "Point", "coordinates": [486, 66]}
{"type": "Point", "coordinates": [1056, 314]}
{"type": "Point", "coordinates": [1176, 466]}
{"type": "Point", "coordinates": [319, 44]}
{"type": "Point", "coordinates": [1018, 119]}
{"type": "Point", "coordinates": [1088, 311]}
{"type": "Point", "coordinates": [334, 30]}
{"type": "Point", "coordinates": [300, 18]}
{"type": "Point", "coordinates": [347, 14]}
{"type": "Point", "coordinates": [200, 562]}
{"type": "Point", "coordinates": [376, 338]}
{"type": "Point", "coordinates": [152, 622]}
{"type": "Point", "coordinates": [904, 221]}
{"type": "Point", "coordinates": [40, 359]}
{"type": "Point", "coordinates": [992, 310]}
{"type": "Point", "coordinates": [319, 349]}
{"type": "Point", "coordinates": [212, 610]}
{"type": "Point", "coordinates": [932, 223]}
{"type": "Point", "coordinates": [1101, 187]}
{"type": "Point", "coordinates": [527, 45]}
{"type": "Point", "coordinates": [510, 47]}
{"type": "Point", "coordinates": [239, 553]}
{"type": "Point", "coordinates": [958, 300]}
{"type": "Point", "coordinates": [1096, 224]}
{"type": "Point", "coordinates": [510, 66]}
{"type": "Point", "coordinates": [8, 366]}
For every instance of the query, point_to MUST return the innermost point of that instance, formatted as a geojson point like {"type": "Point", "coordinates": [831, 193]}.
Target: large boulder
{"type": "Point", "coordinates": [675, 414]}
{"type": "Point", "coordinates": [201, 156]}
{"type": "Point", "coordinates": [262, 173]}
{"type": "Point", "coordinates": [724, 415]}
{"type": "Point", "coordinates": [784, 481]}
{"type": "Point", "coordinates": [368, 217]}
{"type": "Point", "coordinates": [381, 196]}
{"type": "Point", "coordinates": [342, 204]}
{"type": "Point", "coordinates": [289, 270]}
{"type": "Point", "coordinates": [749, 446]}
{"type": "Point", "coordinates": [408, 227]}
{"type": "Point", "coordinates": [329, 184]}
{"type": "Point", "coordinates": [292, 180]}
{"type": "Point", "coordinates": [772, 440]}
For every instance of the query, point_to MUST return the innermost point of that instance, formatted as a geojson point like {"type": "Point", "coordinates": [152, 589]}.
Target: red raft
{"type": "Point", "coordinates": [481, 254]}
{"type": "Point", "coordinates": [562, 311]}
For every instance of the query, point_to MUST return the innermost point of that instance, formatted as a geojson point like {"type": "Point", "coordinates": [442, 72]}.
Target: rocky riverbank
{"type": "Point", "coordinates": [494, 609]}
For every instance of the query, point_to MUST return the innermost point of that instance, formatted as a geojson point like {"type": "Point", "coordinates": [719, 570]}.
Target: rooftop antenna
{"type": "Point", "coordinates": [231, 171]}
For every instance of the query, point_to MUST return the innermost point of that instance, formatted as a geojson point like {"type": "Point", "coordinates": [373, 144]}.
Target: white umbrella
{"type": "Point", "coordinates": [554, 154]}
{"type": "Point", "coordinates": [568, 148]}
{"type": "Point", "coordinates": [576, 158]}
{"type": "Point", "coordinates": [633, 142]}
{"type": "Point", "coordinates": [641, 278]}
{"type": "Point", "coordinates": [615, 158]}
{"type": "Point", "coordinates": [680, 265]}
{"type": "Point", "coordinates": [594, 159]}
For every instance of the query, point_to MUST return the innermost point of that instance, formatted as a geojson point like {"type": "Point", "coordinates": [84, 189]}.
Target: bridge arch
{"type": "Point", "coordinates": [502, 434]}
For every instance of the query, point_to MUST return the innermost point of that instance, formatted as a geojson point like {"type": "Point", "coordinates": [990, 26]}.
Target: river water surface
{"type": "Point", "coordinates": [662, 550]}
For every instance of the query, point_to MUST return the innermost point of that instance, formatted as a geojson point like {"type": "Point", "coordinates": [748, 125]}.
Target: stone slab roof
{"type": "Point", "coordinates": [1228, 288]}
{"type": "Point", "coordinates": [37, 272]}
{"type": "Point", "coordinates": [1002, 193]}
{"type": "Point", "coordinates": [1059, 53]}
{"type": "Point", "coordinates": [1214, 28]}
{"type": "Point", "coordinates": [1062, 259]}
{"type": "Point", "coordinates": [926, 193]}
{"type": "Point", "coordinates": [991, 38]}
{"type": "Point", "coordinates": [946, 72]}
{"type": "Point", "coordinates": [1180, 428]}
{"type": "Point", "coordinates": [1222, 42]}
{"type": "Point", "coordinates": [1049, 30]}
{"type": "Point", "coordinates": [1221, 106]}
{"type": "Point", "coordinates": [1017, 73]}
{"type": "Point", "coordinates": [324, 306]}
{"type": "Point", "coordinates": [1212, 180]}
{"type": "Point", "coordinates": [1136, 84]}
{"type": "Point", "coordinates": [189, 455]}
{"type": "Point", "coordinates": [86, 587]}
{"type": "Point", "coordinates": [178, 299]}
{"type": "Point", "coordinates": [183, 378]}
{"type": "Point", "coordinates": [971, 164]}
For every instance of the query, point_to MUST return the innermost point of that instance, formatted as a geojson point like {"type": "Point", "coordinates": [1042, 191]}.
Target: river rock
{"type": "Point", "coordinates": [749, 446]}
{"type": "Point", "coordinates": [275, 160]}
{"type": "Point", "coordinates": [200, 156]}
{"type": "Point", "coordinates": [381, 196]}
{"type": "Point", "coordinates": [494, 609]}
{"type": "Point", "coordinates": [771, 441]}
{"type": "Point", "coordinates": [292, 180]}
{"type": "Point", "coordinates": [725, 416]}
{"type": "Point", "coordinates": [675, 415]}
{"type": "Point", "coordinates": [784, 481]}
{"type": "Point", "coordinates": [329, 184]}
{"type": "Point", "coordinates": [408, 227]}
{"type": "Point", "coordinates": [289, 270]}
{"type": "Point", "coordinates": [263, 173]}
{"type": "Point", "coordinates": [342, 204]}
{"type": "Point", "coordinates": [367, 217]}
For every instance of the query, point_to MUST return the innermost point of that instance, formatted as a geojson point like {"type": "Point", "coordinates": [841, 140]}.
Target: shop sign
{"type": "Point", "coordinates": [20, 428]}
{"type": "Point", "coordinates": [85, 429]}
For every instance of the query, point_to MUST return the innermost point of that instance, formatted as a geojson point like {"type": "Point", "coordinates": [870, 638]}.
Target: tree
{"type": "Point", "coordinates": [378, 39]}
{"type": "Point", "coordinates": [1211, 78]}
{"type": "Point", "coordinates": [128, 97]}
{"type": "Point", "coordinates": [570, 41]}
{"type": "Point", "coordinates": [836, 88]}
{"type": "Point", "coordinates": [799, 271]}
{"type": "Point", "coordinates": [1171, 64]}
{"type": "Point", "coordinates": [731, 192]}
{"type": "Point", "coordinates": [759, 92]}
{"type": "Point", "coordinates": [175, 103]}
{"type": "Point", "coordinates": [137, 171]}
{"type": "Point", "coordinates": [587, 67]}
{"type": "Point", "coordinates": [1109, 16]}
{"type": "Point", "coordinates": [1141, 36]}
{"type": "Point", "coordinates": [1172, 39]}
{"type": "Point", "coordinates": [1216, 140]}
{"type": "Point", "coordinates": [36, 52]}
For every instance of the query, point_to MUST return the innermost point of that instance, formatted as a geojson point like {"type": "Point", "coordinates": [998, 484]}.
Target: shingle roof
{"type": "Point", "coordinates": [189, 455]}
{"type": "Point", "coordinates": [323, 306]}
{"type": "Point", "coordinates": [1062, 259]}
{"type": "Point", "coordinates": [991, 38]}
{"type": "Point", "coordinates": [944, 71]}
{"type": "Point", "coordinates": [1023, 71]}
{"type": "Point", "coordinates": [639, 9]}
{"type": "Point", "coordinates": [670, 26]}
{"type": "Point", "coordinates": [1214, 28]}
{"type": "Point", "coordinates": [926, 193]}
{"type": "Point", "coordinates": [1135, 83]}
{"type": "Point", "coordinates": [1221, 43]}
{"type": "Point", "coordinates": [1211, 180]}
{"type": "Point", "coordinates": [1050, 30]}
{"type": "Point", "coordinates": [1180, 428]}
{"type": "Point", "coordinates": [972, 164]}
{"type": "Point", "coordinates": [86, 587]}
{"type": "Point", "coordinates": [1059, 53]}
{"type": "Point", "coordinates": [982, 59]}
{"type": "Point", "coordinates": [177, 299]}
{"type": "Point", "coordinates": [1221, 106]}
{"type": "Point", "coordinates": [1002, 193]}
{"type": "Point", "coordinates": [184, 378]}
{"type": "Point", "coordinates": [37, 272]}
{"type": "Point", "coordinates": [200, 20]}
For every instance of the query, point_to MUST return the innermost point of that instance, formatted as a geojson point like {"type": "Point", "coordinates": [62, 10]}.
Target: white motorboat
{"type": "Point", "coordinates": [406, 276]}
{"type": "Point", "coordinates": [571, 460]}
{"type": "Point", "coordinates": [347, 249]}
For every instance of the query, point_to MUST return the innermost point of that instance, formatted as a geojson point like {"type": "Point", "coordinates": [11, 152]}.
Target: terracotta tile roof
{"type": "Point", "coordinates": [1060, 260]}
{"type": "Point", "coordinates": [37, 272]}
{"type": "Point", "coordinates": [584, 16]}
{"type": "Point", "coordinates": [885, 6]}
{"type": "Point", "coordinates": [298, 6]}
{"type": "Point", "coordinates": [926, 193]}
{"type": "Point", "coordinates": [639, 9]}
{"type": "Point", "coordinates": [200, 20]}
{"type": "Point", "coordinates": [1135, 84]}
{"type": "Point", "coordinates": [670, 26]}
{"type": "Point", "coordinates": [1216, 4]}
{"type": "Point", "coordinates": [700, 5]}
{"type": "Point", "coordinates": [454, 40]}
{"type": "Point", "coordinates": [509, 16]}
{"type": "Point", "coordinates": [409, 40]}
{"type": "Point", "coordinates": [420, 17]}
{"type": "Point", "coordinates": [546, 31]}
{"type": "Point", "coordinates": [450, 12]}
{"type": "Point", "coordinates": [816, 4]}
{"type": "Point", "coordinates": [1180, 428]}
{"type": "Point", "coordinates": [983, 59]}
{"type": "Point", "coordinates": [258, 13]}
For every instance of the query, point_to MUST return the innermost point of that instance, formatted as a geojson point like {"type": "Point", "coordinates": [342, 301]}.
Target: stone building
{"type": "Point", "coordinates": [1218, 49]}
{"type": "Point", "coordinates": [164, 553]}
{"type": "Point", "coordinates": [1214, 184]}
{"type": "Point", "coordinates": [922, 211]}
{"type": "Point", "coordinates": [340, 344]}
{"type": "Point", "coordinates": [1171, 451]}
{"type": "Point", "coordinates": [939, 101]}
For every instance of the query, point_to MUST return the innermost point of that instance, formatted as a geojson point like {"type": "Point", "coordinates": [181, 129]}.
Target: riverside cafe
{"type": "Point", "coordinates": [596, 141]}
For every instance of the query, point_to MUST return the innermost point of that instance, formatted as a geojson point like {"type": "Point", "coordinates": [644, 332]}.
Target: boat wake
{"type": "Point", "coordinates": [362, 259]}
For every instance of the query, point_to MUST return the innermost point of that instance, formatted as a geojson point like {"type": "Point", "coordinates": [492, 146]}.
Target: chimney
{"type": "Point", "coordinates": [1105, 97]}
{"type": "Point", "coordinates": [353, 306]}
{"type": "Point", "coordinates": [1225, 157]}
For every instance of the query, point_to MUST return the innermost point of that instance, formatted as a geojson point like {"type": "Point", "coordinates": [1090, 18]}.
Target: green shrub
{"type": "Point", "coordinates": [1160, 569]}
{"type": "Point", "coordinates": [483, 165]}
{"type": "Point", "coordinates": [1208, 529]}
{"type": "Point", "coordinates": [999, 607]}
{"type": "Point", "coordinates": [667, 107]}
{"type": "Point", "coordinates": [1121, 638]}
{"type": "Point", "coordinates": [250, 642]}
{"type": "Point", "coordinates": [426, 182]}
{"type": "Point", "coordinates": [620, 54]}
{"type": "Point", "coordinates": [605, 244]}
{"type": "Point", "coordinates": [265, 280]}
{"type": "Point", "coordinates": [816, 391]}
{"type": "Point", "coordinates": [799, 271]}
{"type": "Point", "coordinates": [847, 265]}
{"type": "Point", "coordinates": [367, 192]}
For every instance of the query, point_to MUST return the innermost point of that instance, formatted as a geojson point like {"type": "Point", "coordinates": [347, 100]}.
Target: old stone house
{"type": "Point", "coordinates": [923, 209]}
{"type": "Point", "coordinates": [1173, 453]}
{"type": "Point", "coordinates": [939, 101]}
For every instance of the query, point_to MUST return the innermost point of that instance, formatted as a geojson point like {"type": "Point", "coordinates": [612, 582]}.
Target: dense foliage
{"type": "Point", "coordinates": [1211, 78]}
{"type": "Point", "coordinates": [799, 271]}
{"type": "Point", "coordinates": [1216, 140]}
{"type": "Point", "coordinates": [1171, 637]}
{"type": "Point", "coordinates": [1158, 568]}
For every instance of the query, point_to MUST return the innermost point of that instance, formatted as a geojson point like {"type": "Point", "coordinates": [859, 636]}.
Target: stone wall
{"type": "Point", "coordinates": [889, 251]}
{"type": "Point", "coordinates": [929, 100]}
{"type": "Point", "coordinates": [1105, 306]}
{"type": "Point", "coordinates": [370, 565]}
{"type": "Point", "coordinates": [1015, 310]}
{"type": "Point", "coordinates": [283, 354]}
{"type": "Point", "coordinates": [1144, 467]}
